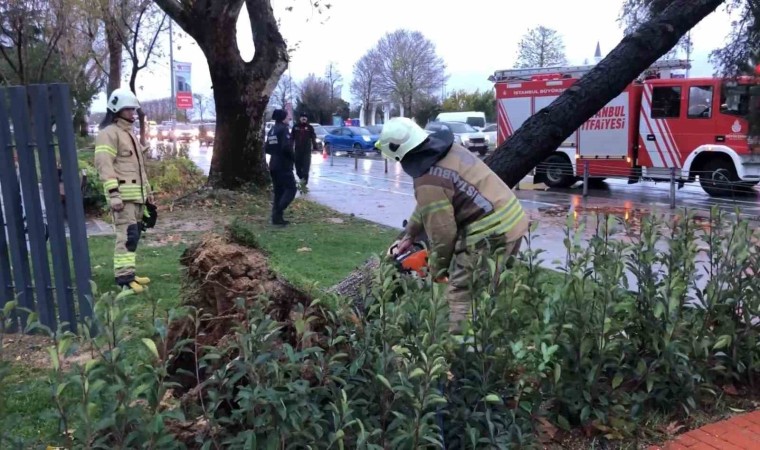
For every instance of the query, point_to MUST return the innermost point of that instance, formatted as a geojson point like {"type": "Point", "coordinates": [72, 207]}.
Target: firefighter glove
{"type": "Point", "coordinates": [115, 201]}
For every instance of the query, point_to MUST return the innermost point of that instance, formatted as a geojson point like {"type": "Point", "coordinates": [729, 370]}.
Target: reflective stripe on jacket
{"type": "Point", "coordinates": [120, 162]}
{"type": "Point", "coordinates": [461, 197]}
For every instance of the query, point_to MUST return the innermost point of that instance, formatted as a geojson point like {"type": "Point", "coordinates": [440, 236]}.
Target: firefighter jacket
{"type": "Point", "coordinates": [120, 162]}
{"type": "Point", "coordinates": [280, 148]}
{"type": "Point", "coordinates": [304, 137]}
{"type": "Point", "coordinates": [459, 197]}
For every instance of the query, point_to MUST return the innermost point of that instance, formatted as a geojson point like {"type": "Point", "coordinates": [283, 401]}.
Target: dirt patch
{"type": "Point", "coordinates": [32, 351]}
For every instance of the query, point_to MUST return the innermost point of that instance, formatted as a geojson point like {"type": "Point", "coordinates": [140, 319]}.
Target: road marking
{"type": "Point", "coordinates": [522, 200]}
{"type": "Point", "coordinates": [364, 186]}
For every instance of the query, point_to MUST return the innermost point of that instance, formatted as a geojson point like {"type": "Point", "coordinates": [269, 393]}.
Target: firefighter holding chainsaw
{"type": "Point", "coordinates": [465, 209]}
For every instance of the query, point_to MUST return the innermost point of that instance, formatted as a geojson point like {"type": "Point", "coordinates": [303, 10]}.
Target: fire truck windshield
{"type": "Point", "coordinates": [734, 100]}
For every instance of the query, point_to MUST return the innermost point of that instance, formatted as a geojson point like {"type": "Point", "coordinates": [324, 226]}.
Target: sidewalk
{"type": "Point", "coordinates": [737, 433]}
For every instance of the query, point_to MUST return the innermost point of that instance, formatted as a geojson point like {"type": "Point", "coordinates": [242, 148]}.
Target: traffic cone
{"type": "Point", "coordinates": [324, 152]}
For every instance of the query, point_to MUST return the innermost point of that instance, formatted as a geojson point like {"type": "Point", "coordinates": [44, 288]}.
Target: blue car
{"type": "Point", "coordinates": [350, 140]}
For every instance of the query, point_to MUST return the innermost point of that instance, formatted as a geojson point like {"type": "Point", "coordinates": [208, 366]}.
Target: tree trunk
{"type": "Point", "coordinates": [140, 112]}
{"type": "Point", "coordinates": [543, 132]}
{"type": "Point", "coordinates": [238, 157]}
{"type": "Point", "coordinates": [241, 89]}
{"type": "Point", "coordinates": [80, 122]}
{"type": "Point", "coordinates": [115, 52]}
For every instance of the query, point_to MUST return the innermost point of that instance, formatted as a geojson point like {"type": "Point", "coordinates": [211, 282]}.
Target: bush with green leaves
{"type": "Point", "coordinates": [652, 318]}
{"type": "Point", "coordinates": [174, 176]}
{"type": "Point", "coordinates": [93, 195]}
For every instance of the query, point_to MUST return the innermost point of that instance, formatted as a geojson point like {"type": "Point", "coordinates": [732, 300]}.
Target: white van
{"type": "Point", "coordinates": [475, 119]}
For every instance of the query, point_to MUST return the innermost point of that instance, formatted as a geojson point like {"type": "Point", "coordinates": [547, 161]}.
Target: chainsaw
{"type": "Point", "coordinates": [412, 261]}
{"type": "Point", "coordinates": [415, 260]}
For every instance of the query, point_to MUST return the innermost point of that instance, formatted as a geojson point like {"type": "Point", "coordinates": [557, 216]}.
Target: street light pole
{"type": "Point", "coordinates": [173, 99]}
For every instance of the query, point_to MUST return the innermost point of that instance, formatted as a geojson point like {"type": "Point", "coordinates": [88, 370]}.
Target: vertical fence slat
{"type": "Point", "coordinates": [61, 100]}
{"type": "Point", "coordinates": [22, 276]}
{"type": "Point", "coordinates": [32, 206]}
{"type": "Point", "coordinates": [54, 209]}
{"type": "Point", "coordinates": [6, 282]}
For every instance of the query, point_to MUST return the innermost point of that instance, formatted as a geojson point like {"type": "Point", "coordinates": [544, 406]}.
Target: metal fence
{"type": "Point", "coordinates": [38, 164]}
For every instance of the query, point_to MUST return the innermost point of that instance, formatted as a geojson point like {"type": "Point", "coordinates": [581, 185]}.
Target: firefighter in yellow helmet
{"type": "Point", "coordinates": [120, 161]}
{"type": "Point", "coordinates": [462, 205]}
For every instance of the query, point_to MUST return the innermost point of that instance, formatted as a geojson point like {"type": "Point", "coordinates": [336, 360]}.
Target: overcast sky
{"type": "Point", "coordinates": [474, 37]}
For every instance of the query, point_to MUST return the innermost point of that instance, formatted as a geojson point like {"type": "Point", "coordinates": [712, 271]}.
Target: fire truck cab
{"type": "Point", "coordinates": [662, 125]}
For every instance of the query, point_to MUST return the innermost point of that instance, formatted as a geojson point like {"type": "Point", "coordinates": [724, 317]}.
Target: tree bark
{"type": "Point", "coordinates": [543, 132]}
{"type": "Point", "coordinates": [241, 89]}
{"type": "Point", "coordinates": [115, 52]}
{"type": "Point", "coordinates": [133, 87]}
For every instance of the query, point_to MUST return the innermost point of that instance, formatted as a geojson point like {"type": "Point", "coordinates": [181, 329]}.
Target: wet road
{"type": "Point", "coordinates": [363, 188]}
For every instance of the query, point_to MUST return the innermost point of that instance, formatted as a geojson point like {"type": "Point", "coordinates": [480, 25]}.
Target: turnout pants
{"type": "Point", "coordinates": [465, 270]}
{"type": "Point", "coordinates": [284, 184]}
{"type": "Point", "coordinates": [303, 164]}
{"type": "Point", "coordinates": [127, 227]}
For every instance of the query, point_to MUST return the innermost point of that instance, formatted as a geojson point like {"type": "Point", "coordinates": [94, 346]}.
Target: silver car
{"type": "Point", "coordinates": [464, 135]}
{"type": "Point", "coordinates": [490, 132]}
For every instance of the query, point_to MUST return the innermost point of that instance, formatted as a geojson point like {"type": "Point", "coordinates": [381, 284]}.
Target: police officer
{"type": "Point", "coordinates": [281, 161]}
{"type": "Point", "coordinates": [465, 209]}
{"type": "Point", "coordinates": [304, 142]}
{"type": "Point", "coordinates": [120, 161]}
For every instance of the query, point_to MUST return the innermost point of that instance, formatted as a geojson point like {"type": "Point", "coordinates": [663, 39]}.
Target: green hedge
{"type": "Point", "coordinates": [586, 349]}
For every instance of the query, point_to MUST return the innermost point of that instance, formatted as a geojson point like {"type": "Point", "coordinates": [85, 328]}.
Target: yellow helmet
{"type": "Point", "coordinates": [400, 135]}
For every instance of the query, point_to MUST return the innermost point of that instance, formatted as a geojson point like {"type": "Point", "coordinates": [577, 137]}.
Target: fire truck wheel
{"type": "Point", "coordinates": [557, 172]}
{"type": "Point", "coordinates": [719, 178]}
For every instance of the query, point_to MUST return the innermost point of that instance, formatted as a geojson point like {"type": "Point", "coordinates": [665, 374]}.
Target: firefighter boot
{"type": "Point", "coordinates": [130, 289]}
{"type": "Point", "coordinates": [142, 280]}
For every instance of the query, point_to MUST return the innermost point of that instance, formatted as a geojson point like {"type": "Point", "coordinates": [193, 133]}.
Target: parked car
{"type": "Point", "coordinates": [185, 132]}
{"type": "Point", "coordinates": [475, 119]}
{"type": "Point", "coordinates": [320, 131]}
{"type": "Point", "coordinates": [350, 140]}
{"type": "Point", "coordinates": [208, 133]}
{"type": "Point", "coordinates": [164, 132]}
{"type": "Point", "coordinates": [464, 135]}
{"type": "Point", "coordinates": [490, 132]}
{"type": "Point", "coordinates": [374, 131]}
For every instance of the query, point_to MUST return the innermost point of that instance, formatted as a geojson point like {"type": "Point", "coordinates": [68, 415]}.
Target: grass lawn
{"type": "Point", "coordinates": [336, 245]}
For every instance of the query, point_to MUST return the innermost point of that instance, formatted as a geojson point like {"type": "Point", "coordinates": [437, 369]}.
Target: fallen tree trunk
{"type": "Point", "coordinates": [545, 131]}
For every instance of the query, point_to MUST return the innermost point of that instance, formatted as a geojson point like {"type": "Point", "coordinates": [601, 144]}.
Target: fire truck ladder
{"type": "Point", "coordinates": [577, 71]}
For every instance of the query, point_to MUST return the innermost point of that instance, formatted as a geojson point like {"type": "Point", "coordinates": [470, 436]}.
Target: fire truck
{"type": "Point", "coordinates": [662, 125]}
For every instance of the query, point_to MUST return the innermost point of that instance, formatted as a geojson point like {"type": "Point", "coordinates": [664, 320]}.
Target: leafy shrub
{"type": "Point", "coordinates": [93, 196]}
{"type": "Point", "coordinates": [174, 176]}
{"type": "Point", "coordinates": [643, 319]}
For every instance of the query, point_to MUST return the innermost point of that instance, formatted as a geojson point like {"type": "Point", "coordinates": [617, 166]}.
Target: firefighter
{"type": "Point", "coordinates": [120, 161]}
{"type": "Point", "coordinates": [281, 161]}
{"type": "Point", "coordinates": [465, 209]}
{"type": "Point", "coordinates": [304, 142]}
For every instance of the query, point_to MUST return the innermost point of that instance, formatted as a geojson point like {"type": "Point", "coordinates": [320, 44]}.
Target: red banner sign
{"type": "Point", "coordinates": [184, 100]}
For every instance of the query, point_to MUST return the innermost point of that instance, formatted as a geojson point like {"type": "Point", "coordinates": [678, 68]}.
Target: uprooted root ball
{"type": "Point", "coordinates": [224, 274]}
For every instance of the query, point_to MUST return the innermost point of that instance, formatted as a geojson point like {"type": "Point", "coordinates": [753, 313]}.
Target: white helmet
{"type": "Point", "coordinates": [122, 98]}
{"type": "Point", "coordinates": [400, 135]}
